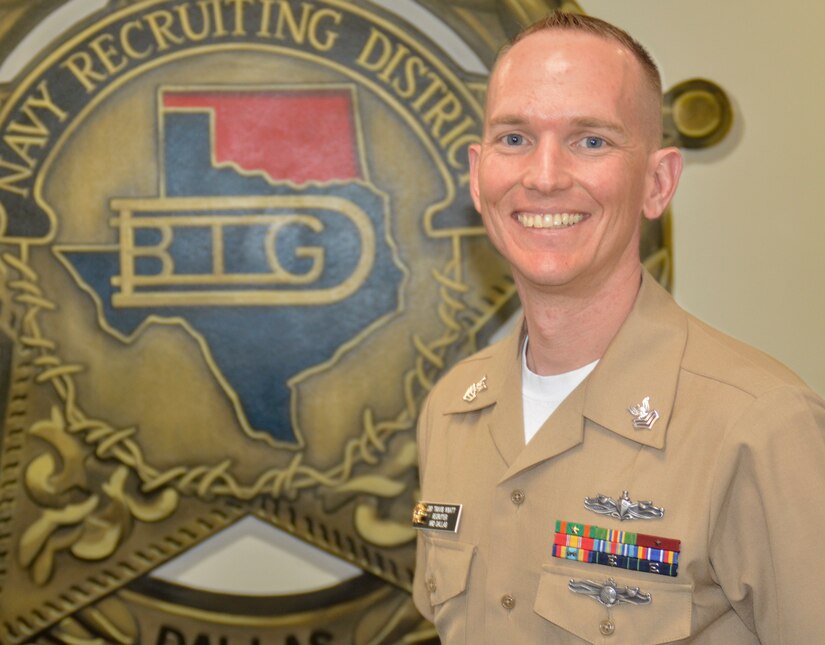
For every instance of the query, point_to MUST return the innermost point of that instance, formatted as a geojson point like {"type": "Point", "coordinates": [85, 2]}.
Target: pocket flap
{"type": "Point", "coordinates": [447, 567]}
{"type": "Point", "coordinates": [666, 618]}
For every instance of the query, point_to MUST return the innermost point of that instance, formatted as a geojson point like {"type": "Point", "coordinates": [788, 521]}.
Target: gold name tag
{"type": "Point", "coordinates": [436, 517]}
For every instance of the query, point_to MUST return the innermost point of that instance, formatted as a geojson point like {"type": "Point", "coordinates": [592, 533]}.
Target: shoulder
{"type": "Point", "coordinates": [708, 377]}
{"type": "Point", "coordinates": [713, 355]}
{"type": "Point", "coordinates": [763, 406]}
{"type": "Point", "coordinates": [704, 351]}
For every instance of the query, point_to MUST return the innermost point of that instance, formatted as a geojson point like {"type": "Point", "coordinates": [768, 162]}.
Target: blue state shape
{"type": "Point", "coordinates": [259, 349]}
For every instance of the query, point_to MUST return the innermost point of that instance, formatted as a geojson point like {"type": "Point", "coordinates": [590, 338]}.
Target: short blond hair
{"type": "Point", "coordinates": [568, 21]}
{"type": "Point", "coordinates": [576, 22]}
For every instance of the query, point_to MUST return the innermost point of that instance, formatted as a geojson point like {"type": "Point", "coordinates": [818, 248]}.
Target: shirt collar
{"type": "Point", "coordinates": [642, 360]}
{"type": "Point", "coordinates": [501, 374]}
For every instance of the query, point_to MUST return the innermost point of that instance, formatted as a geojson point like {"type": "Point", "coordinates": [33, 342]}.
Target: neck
{"type": "Point", "coordinates": [567, 331]}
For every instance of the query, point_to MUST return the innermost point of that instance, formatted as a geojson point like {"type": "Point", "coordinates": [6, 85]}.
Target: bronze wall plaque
{"type": "Point", "coordinates": [237, 248]}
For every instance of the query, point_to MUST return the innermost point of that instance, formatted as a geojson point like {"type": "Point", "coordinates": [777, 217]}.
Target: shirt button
{"type": "Point", "coordinates": [607, 627]}
{"type": "Point", "coordinates": [507, 601]}
{"type": "Point", "coordinates": [517, 497]}
{"type": "Point", "coordinates": [431, 584]}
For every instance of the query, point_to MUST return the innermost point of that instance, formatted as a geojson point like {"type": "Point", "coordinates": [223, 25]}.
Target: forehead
{"type": "Point", "coordinates": [566, 70]}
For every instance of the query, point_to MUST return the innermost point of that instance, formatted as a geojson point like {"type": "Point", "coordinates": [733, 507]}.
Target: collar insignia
{"type": "Point", "coordinates": [624, 509]}
{"type": "Point", "coordinates": [643, 416]}
{"type": "Point", "coordinates": [474, 389]}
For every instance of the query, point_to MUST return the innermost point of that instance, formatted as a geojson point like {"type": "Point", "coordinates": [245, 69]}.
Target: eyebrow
{"type": "Point", "coordinates": [577, 122]}
{"type": "Point", "coordinates": [599, 124]}
{"type": "Point", "coordinates": [507, 119]}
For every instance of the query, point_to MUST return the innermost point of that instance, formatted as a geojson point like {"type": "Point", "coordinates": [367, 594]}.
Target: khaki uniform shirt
{"type": "Point", "coordinates": [736, 459]}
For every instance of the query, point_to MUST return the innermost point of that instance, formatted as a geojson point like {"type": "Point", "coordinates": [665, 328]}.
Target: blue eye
{"type": "Point", "coordinates": [593, 143]}
{"type": "Point", "coordinates": [513, 139]}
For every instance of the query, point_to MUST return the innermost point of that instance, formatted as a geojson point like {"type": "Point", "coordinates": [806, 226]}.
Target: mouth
{"type": "Point", "coordinates": [549, 220]}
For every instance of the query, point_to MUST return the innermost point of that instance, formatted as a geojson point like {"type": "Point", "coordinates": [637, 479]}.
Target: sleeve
{"type": "Point", "coordinates": [421, 596]}
{"type": "Point", "coordinates": [769, 518]}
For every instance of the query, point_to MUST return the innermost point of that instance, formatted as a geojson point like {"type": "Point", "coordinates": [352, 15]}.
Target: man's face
{"type": "Point", "coordinates": [567, 160]}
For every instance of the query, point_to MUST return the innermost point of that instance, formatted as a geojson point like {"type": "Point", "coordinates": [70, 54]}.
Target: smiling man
{"type": "Point", "coordinates": [615, 469]}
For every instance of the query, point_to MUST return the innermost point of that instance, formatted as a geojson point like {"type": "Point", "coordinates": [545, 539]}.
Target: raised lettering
{"type": "Point", "coordinates": [21, 144]}
{"type": "Point", "coordinates": [160, 24]}
{"type": "Point", "coordinates": [266, 17]}
{"type": "Point", "coordinates": [285, 16]}
{"type": "Point", "coordinates": [461, 128]}
{"type": "Point", "coordinates": [240, 6]}
{"type": "Point", "coordinates": [217, 13]}
{"type": "Point", "coordinates": [32, 102]}
{"type": "Point", "coordinates": [329, 36]}
{"type": "Point", "coordinates": [365, 58]}
{"type": "Point", "coordinates": [412, 66]}
{"type": "Point", "coordinates": [203, 639]}
{"type": "Point", "coordinates": [107, 53]}
{"type": "Point", "coordinates": [186, 22]}
{"type": "Point", "coordinates": [33, 132]}
{"type": "Point", "coordinates": [166, 633]}
{"type": "Point", "coordinates": [458, 146]}
{"type": "Point", "coordinates": [435, 85]}
{"type": "Point", "coordinates": [82, 68]}
{"type": "Point", "coordinates": [400, 52]}
{"type": "Point", "coordinates": [126, 43]}
{"type": "Point", "coordinates": [446, 110]}
{"type": "Point", "coordinates": [18, 174]}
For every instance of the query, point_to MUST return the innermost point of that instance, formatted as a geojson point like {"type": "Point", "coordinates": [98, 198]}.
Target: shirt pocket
{"type": "Point", "coordinates": [665, 619]}
{"type": "Point", "coordinates": [446, 572]}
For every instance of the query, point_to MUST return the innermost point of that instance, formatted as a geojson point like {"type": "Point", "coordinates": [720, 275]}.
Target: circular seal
{"type": "Point", "coordinates": [238, 249]}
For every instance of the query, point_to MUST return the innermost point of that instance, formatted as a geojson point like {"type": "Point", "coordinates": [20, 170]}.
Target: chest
{"type": "Point", "coordinates": [603, 480]}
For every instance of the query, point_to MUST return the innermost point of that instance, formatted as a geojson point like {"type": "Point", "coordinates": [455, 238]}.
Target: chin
{"type": "Point", "coordinates": [548, 277]}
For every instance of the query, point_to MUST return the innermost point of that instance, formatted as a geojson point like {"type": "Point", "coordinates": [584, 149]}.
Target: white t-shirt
{"type": "Point", "coordinates": [543, 394]}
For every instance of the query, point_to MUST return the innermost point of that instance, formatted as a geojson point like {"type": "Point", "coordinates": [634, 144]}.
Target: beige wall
{"type": "Point", "coordinates": [749, 218]}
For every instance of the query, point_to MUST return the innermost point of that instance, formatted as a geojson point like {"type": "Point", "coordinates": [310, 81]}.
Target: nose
{"type": "Point", "coordinates": [549, 167]}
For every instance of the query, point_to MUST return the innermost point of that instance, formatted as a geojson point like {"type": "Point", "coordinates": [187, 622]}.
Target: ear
{"type": "Point", "coordinates": [474, 152]}
{"type": "Point", "coordinates": [662, 178]}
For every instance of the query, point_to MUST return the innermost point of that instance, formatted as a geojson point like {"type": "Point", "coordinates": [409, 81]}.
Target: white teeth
{"type": "Point", "coordinates": [550, 220]}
